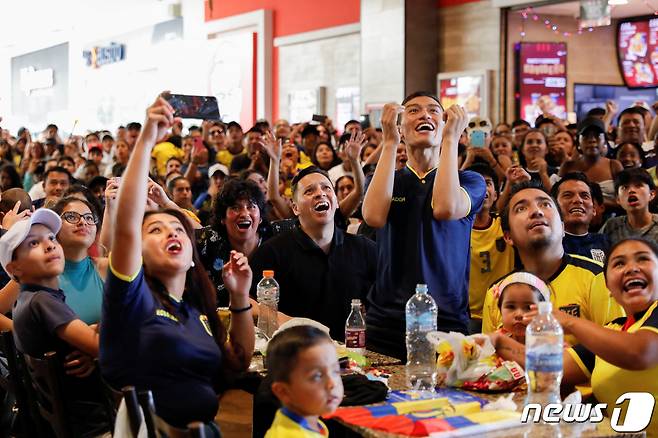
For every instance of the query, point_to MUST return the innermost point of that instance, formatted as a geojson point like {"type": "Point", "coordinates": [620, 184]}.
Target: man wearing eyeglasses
{"type": "Point", "coordinates": [424, 213]}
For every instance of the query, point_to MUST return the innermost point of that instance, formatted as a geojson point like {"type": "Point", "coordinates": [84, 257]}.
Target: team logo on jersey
{"type": "Point", "coordinates": [163, 313]}
{"type": "Point", "coordinates": [500, 244]}
{"type": "Point", "coordinates": [205, 324]}
{"type": "Point", "coordinates": [571, 309]}
{"type": "Point", "coordinates": [598, 255]}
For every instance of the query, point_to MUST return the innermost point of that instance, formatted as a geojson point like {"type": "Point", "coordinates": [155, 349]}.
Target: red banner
{"type": "Point", "coordinates": [637, 49]}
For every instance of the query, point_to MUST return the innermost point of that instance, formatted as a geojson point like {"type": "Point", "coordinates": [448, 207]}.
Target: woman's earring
{"type": "Point", "coordinates": [192, 265]}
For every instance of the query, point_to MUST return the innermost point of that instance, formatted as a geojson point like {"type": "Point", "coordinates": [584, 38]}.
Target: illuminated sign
{"type": "Point", "coordinates": [99, 56]}
{"type": "Point", "coordinates": [31, 79]}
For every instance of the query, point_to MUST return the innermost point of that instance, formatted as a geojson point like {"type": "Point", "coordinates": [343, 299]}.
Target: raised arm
{"type": "Point", "coordinates": [353, 150]}
{"type": "Point", "coordinates": [449, 200]}
{"type": "Point", "coordinates": [377, 202]}
{"type": "Point", "coordinates": [109, 215]}
{"type": "Point", "coordinates": [127, 234]}
{"type": "Point", "coordinates": [273, 147]}
{"type": "Point", "coordinates": [631, 351]}
{"type": "Point", "coordinates": [237, 279]}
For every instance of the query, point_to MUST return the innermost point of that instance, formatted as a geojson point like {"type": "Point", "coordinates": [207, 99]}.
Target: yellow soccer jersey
{"type": "Point", "coordinates": [285, 427]}
{"type": "Point", "coordinates": [163, 152]}
{"type": "Point", "coordinates": [610, 381]}
{"type": "Point", "coordinates": [491, 258]}
{"type": "Point", "coordinates": [225, 157]}
{"type": "Point", "coordinates": [578, 288]}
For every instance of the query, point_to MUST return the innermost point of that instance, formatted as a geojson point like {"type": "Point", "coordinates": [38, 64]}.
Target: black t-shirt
{"type": "Point", "coordinates": [591, 245]}
{"type": "Point", "coordinates": [314, 284]}
{"type": "Point", "coordinates": [37, 314]}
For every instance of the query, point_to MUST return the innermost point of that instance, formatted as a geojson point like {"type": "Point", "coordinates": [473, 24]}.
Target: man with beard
{"type": "Point", "coordinates": [531, 222]}
{"type": "Point", "coordinates": [424, 213]}
{"type": "Point", "coordinates": [573, 194]}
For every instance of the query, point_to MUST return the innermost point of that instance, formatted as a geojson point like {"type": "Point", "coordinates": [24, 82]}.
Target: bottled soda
{"type": "Point", "coordinates": [421, 314]}
{"type": "Point", "coordinates": [355, 329]}
{"type": "Point", "coordinates": [543, 357]}
{"type": "Point", "coordinates": [267, 294]}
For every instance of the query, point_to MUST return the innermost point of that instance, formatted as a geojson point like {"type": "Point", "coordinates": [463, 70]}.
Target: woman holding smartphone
{"type": "Point", "coordinates": [159, 329]}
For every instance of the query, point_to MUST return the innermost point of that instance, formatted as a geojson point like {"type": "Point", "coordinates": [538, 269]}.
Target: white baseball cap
{"type": "Point", "coordinates": [217, 167]}
{"type": "Point", "coordinates": [19, 231]}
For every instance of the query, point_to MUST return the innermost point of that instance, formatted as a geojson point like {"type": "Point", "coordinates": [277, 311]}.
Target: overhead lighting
{"type": "Point", "coordinates": [617, 2]}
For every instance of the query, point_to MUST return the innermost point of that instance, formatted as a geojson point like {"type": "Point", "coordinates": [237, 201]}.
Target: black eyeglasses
{"type": "Point", "coordinates": [216, 132]}
{"type": "Point", "coordinates": [74, 218]}
{"type": "Point", "coordinates": [482, 124]}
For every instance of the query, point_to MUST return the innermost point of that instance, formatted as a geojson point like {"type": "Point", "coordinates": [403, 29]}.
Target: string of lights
{"type": "Point", "coordinates": [528, 15]}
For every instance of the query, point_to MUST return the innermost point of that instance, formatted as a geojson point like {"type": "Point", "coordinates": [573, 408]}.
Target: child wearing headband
{"type": "Point", "coordinates": [516, 294]}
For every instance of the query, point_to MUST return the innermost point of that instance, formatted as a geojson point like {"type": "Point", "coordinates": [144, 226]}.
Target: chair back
{"type": "Point", "coordinates": [166, 430]}
{"type": "Point", "coordinates": [133, 410]}
{"type": "Point", "coordinates": [45, 375]}
{"type": "Point", "coordinates": [28, 421]}
{"type": "Point", "coordinates": [145, 399]}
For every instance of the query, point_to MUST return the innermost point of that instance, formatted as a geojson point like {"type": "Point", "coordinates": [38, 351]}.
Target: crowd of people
{"type": "Point", "coordinates": [117, 248]}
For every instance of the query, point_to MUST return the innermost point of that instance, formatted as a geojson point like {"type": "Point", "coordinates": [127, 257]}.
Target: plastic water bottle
{"type": "Point", "coordinates": [267, 293]}
{"type": "Point", "coordinates": [543, 357]}
{"type": "Point", "coordinates": [421, 314]}
{"type": "Point", "coordinates": [355, 329]}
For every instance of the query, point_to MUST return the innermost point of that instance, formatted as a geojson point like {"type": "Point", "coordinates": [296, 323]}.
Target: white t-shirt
{"type": "Point", "coordinates": [37, 191]}
{"type": "Point", "coordinates": [336, 172]}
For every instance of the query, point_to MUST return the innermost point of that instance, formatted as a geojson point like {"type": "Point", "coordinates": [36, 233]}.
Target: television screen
{"type": "Point", "coordinates": [541, 80]}
{"type": "Point", "coordinates": [637, 51]}
{"type": "Point", "coordinates": [465, 91]}
{"type": "Point", "coordinates": [588, 96]}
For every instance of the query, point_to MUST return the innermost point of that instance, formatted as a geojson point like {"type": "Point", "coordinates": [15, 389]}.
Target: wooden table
{"type": "Point", "coordinates": [601, 430]}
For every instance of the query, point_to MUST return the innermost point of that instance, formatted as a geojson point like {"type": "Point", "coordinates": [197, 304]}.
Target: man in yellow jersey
{"type": "Point", "coordinates": [531, 222]}
{"type": "Point", "coordinates": [234, 146]}
{"type": "Point", "coordinates": [491, 256]}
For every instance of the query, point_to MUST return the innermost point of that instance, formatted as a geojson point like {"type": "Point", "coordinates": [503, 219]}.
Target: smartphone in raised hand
{"type": "Point", "coordinates": [194, 107]}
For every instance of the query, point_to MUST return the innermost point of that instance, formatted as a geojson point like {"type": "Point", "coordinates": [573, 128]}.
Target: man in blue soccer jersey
{"type": "Point", "coordinates": [424, 213]}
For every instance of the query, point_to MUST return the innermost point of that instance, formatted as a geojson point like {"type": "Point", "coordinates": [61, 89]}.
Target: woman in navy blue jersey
{"type": "Point", "coordinates": [159, 328]}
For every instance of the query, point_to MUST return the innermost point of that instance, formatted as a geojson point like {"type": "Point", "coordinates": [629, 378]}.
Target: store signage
{"type": "Point", "coordinates": [99, 56]}
{"type": "Point", "coordinates": [637, 51]}
{"type": "Point", "coordinates": [31, 79]}
{"type": "Point", "coordinates": [541, 80]}
{"type": "Point", "coordinates": [594, 13]}
{"type": "Point", "coordinates": [466, 90]}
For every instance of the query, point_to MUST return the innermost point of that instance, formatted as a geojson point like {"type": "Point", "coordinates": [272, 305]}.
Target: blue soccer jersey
{"type": "Point", "coordinates": [413, 248]}
{"type": "Point", "coordinates": [170, 351]}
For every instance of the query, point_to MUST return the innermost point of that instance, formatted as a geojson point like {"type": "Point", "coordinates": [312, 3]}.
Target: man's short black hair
{"type": "Point", "coordinates": [233, 124]}
{"type": "Point", "coordinates": [309, 130]}
{"type": "Point", "coordinates": [629, 176]}
{"type": "Point", "coordinates": [309, 170]}
{"type": "Point", "coordinates": [571, 176]}
{"type": "Point", "coordinates": [597, 193]}
{"type": "Point", "coordinates": [11, 196]}
{"type": "Point", "coordinates": [233, 191]}
{"type": "Point", "coordinates": [57, 169]}
{"type": "Point", "coordinates": [596, 112]}
{"type": "Point", "coordinates": [516, 188]}
{"type": "Point", "coordinates": [486, 171]}
{"type": "Point", "coordinates": [52, 125]}
{"type": "Point", "coordinates": [97, 181]}
{"type": "Point", "coordinates": [422, 94]}
{"type": "Point", "coordinates": [519, 122]}
{"type": "Point", "coordinates": [173, 159]}
{"type": "Point", "coordinates": [239, 163]}
{"type": "Point", "coordinates": [351, 122]}
{"type": "Point", "coordinates": [134, 126]}
{"type": "Point", "coordinates": [284, 349]}
{"type": "Point", "coordinates": [630, 110]}
{"type": "Point", "coordinates": [108, 137]}
{"type": "Point", "coordinates": [255, 129]}
{"type": "Point", "coordinates": [344, 139]}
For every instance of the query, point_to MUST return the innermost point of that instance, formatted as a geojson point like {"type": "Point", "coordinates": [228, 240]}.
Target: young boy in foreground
{"type": "Point", "coordinates": [306, 379]}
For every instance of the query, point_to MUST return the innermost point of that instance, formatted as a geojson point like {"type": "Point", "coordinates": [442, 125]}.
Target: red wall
{"type": "Point", "coordinates": [290, 17]}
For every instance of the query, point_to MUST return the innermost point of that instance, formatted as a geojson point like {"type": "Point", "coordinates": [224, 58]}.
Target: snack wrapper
{"type": "Point", "coordinates": [464, 363]}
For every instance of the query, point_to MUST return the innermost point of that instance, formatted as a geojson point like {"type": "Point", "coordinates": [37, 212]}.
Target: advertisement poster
{"type": "Point", "coordinates": [637, 49]}
{"type": "Point", "coordinates": [541, 80]}
{"type": "Point", "coordinates": [465, 91]}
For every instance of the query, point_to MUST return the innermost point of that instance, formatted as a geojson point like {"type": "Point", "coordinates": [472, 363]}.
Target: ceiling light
{"type": "Point", "coordinates": [617, 2]}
